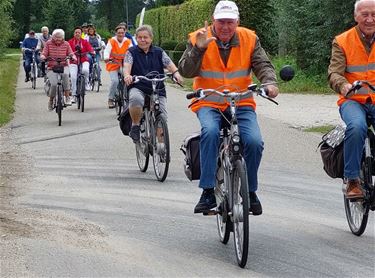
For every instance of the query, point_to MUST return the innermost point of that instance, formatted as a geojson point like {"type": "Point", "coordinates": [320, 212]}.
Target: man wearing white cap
{"type": "Point", "coordinates": [216, 56]}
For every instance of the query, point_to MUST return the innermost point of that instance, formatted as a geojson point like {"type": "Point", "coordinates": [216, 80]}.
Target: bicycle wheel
{"type": "Point", "coordinates": [98, 81]}
{"type": "Point", "coordinates": [59, 103]}
{"type": "Point", "coordinates": [240, 211]}
{"type": "Point", "coordinates": [141, 148]}
{"type": "Point", "coordinates": [224, 224]}
{"type": "Point", "coordinates": [357, 210]}
{"type": "Point", "coordinates": [161, 149]}
{"type": "Point", "coordinates": [94, 77]}
{"type": "Point", "coordinates": [33, 75]}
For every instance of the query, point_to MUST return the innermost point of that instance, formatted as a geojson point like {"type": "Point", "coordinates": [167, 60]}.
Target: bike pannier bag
{"type": "Point", "coordinates": [190, 148]}
{"type": "Point", "coordinates": [125, 121]}
{"type": "Point", "coordinates": [332, 152]}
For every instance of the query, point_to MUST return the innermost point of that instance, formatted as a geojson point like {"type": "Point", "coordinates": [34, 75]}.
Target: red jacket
{"type": "Point", "coordinates": [85, 49]}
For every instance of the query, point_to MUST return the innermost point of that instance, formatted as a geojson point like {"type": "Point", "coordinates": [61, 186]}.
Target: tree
{"type": "Point", "coordinates": [5, 21]}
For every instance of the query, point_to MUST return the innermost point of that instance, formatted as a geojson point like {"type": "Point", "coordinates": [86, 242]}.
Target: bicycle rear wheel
{"type": "Point", "coordinates": [81, 93]}
{"type": "Point", "coordinates": [59, 104]}
{"type": "Point", "coordinates": [357, 210]}
{"type": "Point", "coordinates": [224, 224]}
{"type": "Point", "coordinates": [161, 149]}
{"type": "Point", "coordinates": [141, 148]}
{"type": "Point", "coordinates": [240, 211]}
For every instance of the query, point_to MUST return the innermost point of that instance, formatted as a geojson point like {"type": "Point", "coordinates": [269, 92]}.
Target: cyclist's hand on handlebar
{"type": "Point", "coordinates": [128, 79]}
{"type": "Point", "coordinates": [202, 40]}
{"type": "Point", "coordinates": [272, 91]}
{"type": "Point", "coordinates": [346, 90]}
{"type": "Point", "coordinates": [178, 78]}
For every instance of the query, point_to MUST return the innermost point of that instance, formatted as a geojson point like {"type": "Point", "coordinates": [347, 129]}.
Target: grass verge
{"type": "Point", "coordinates": [9, 66]}
{"type": "Point", "coordinates": [320, 129]}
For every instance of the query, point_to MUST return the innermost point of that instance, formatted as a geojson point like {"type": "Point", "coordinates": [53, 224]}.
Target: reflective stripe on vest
{"type": "Point", "coordinates": [235, 74]}
{"type": "Point", "coordinates": [360, 65]}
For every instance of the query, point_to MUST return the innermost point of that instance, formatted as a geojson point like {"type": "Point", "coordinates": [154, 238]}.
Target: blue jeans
{"type": "Point", "coordinates": [28, 61]}
{"type": "Point", "coordinates": [354, 116]}
{"type": "Point", "coordinates": [210, 120]}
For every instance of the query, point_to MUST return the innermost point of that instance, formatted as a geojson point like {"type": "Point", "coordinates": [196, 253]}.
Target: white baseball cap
{"type": "Point", "coordinates": [226, 9]}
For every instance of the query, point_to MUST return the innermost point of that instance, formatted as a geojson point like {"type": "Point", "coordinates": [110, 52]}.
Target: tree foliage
{"type": "Point", "coordinates": [5, 20]}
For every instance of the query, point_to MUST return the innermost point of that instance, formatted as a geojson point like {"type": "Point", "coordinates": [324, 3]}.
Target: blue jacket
{"type": "Point", "coordinates": [29, 43]}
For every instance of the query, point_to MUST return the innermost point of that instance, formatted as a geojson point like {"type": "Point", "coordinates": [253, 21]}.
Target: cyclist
{"type": "Point", "coordinates": [31, 42]}
{"type": "Point", "coordinates": [353, 58]}
{"type": "Point", "coordinates": [43, 38]}
{"type": "Point", "coordinates": [80, 46]}
{"type": "Point", "coordinates": [56, 48]}
{"type": "Point", "coordinates": [84, 30]}
{"type": "Point", "coordinates": [140, 60]}
{"type": "Point", "coordinates": [114, 54]}
{"type": "Point", "coordinates": [218, 55]}
{"type": "Point", "coordinates": [128, 35]}
{"type": "Point", "coordinates": [96, 42]}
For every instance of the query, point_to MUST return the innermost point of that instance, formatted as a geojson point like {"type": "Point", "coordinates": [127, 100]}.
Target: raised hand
{"type": "Point", "coordinates": [202, 40]}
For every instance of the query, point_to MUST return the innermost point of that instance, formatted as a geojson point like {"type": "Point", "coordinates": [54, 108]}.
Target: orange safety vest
{"type": "Point", "coordinates": [214, 74]}
{"type": "Point", "coordinates": [117, 53]}
{"type": "Point", "coordinates": [359, 65]}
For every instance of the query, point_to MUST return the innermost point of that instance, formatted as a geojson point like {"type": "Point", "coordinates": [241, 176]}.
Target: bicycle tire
{"type": "Point", "coordinates": [98, 83]}
{"type": "Point", "coordinates": [82, 93]}
{"type": "Point", "coordinates": [356, 211]}
{"type": "Point", "coordinates": [161, 149]}
{"type": "Point", "coordinates": [33, 76]}
{"type": "Point", "coordinates": [59, 104]}
{"type": "Point", "coordinates": [142, 149]}
{"type": "Point", "coordinates": [240, 211]}
{"type": "Point", "coordinates": [224, 224]}
{"type": "Point", "coordinates": [93, 77]}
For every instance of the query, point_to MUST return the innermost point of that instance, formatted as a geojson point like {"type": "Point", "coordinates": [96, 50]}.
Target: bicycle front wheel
{"type": "Point", "coordinates": [141, 148]}
{"type": "Point", "coordinates": [240, 211]}
{"type": "Point", "coordinates": [33, 76]}
{"type": "Point", "coordinates": [161, 149]}
{"type": "Point", "coordinates": [59, 103]}
{"type": "Point", "coordinates": [224, 224]}
{"type": "Point", "coordinates": [94, 76]}
{"type": "Point", "coordinates": [357, 210]}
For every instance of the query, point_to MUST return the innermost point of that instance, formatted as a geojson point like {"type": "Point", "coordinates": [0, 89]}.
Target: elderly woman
{"type": "Point", "coordinates": [58, 48]}
{"type": "Point", "coordinates": [140, 60]}
{"type": "Point", "coordinates": [96, 42]}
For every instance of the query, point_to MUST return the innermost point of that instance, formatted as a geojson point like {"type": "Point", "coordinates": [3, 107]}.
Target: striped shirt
{"type": "Point", "coordinates": [53, 50]}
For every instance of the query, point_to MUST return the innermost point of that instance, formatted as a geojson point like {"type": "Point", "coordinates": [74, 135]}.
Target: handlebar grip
{"type": "Point", "coordinates": [193, 95]}
{"type": "Point", "coordinates": [266, 91]}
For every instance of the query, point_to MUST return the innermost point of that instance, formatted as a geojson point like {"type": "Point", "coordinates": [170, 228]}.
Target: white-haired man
{"type": "Point", "coordinates": [220, 54]}
{"type": "Point", "coordinates": [43, 38]}
{"type": "Point", "coordinates": [353, 58]}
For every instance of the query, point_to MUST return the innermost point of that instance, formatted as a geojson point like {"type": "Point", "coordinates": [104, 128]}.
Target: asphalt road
{"type": "Point", "coordinates": [74, 204]}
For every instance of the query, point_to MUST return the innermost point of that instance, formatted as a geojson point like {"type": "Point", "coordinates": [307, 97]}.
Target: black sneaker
{"type": "Point", "coordinates": [255, 205]}
{"type": "Point", "coordinates": [206, 202]}
{"type": "Point", "coordinates": [27, 79]}
{"type": "Point", "coordinates": [135, 133]}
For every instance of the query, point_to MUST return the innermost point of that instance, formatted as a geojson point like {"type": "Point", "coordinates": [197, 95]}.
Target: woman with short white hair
{"type": "Point", "coordinates": [58, 48]}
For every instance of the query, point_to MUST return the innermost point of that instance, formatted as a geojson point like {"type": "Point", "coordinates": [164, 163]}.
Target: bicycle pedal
{"type": "Point", "coordinates": [210, 212]}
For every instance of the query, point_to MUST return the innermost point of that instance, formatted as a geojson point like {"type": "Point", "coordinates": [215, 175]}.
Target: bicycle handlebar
{"type": "Point", "coordinates": [358, 84]}
{"type": "Point", "coordinates": [137, 78]}
{"type": "Point", "coordinates": [251, 89]}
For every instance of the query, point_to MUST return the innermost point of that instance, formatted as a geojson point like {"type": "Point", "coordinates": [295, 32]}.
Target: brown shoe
{"type": "Point", "coordinates": [111, 104]}
{"type": "Point", "coordinates": [353, 189]}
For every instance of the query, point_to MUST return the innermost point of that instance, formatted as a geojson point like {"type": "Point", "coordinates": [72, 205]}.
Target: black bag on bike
{"type": "Point", "coordinates": [332, 152]}
{"type": "Point", "coordinates": [125, 121]}
{"type": "Point", "coordinates": [190, 148]}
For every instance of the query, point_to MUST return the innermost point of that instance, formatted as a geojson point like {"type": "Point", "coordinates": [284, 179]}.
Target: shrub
{"type": "Point", "coordinates": [181, 46]}
{"type": "Point", "coordinates": [168, 45]}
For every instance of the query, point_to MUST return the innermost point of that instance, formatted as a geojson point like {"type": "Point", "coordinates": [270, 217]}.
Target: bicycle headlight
{"type": "Point", "coordinates": [236, 139]}
{"type": "Point", "coordinates": [236, 148]}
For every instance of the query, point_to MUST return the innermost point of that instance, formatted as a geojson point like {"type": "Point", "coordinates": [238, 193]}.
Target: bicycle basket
{"type": "Point", "coordinates": [58, 69]}
{"type": "Point", "coordinates": [332, 152]}
{"type": "Point", "coordinates": [190, 148]}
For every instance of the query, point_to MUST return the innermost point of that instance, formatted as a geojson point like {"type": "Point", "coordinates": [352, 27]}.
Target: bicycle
{"type": "Point", "coordinates": [34, 67]}
{"type": "Point", "coordinates": [121, 96]}
{"type": "Point", "coordinates": [95, 80]}
{"type": "Point", "coordinates": [232, 212]}
{"type": "Point", "coordinates": [357, 210]}
{"type": "Point", "coordinates": [81, 83]}
{"type": "Point", "coordinates": [58, 101]}
{"type": "Point", "coordinates": [154, 139]}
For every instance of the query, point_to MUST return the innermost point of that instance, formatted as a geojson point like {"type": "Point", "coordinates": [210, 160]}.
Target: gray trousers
{"type": "Point", "coordinates": [137, 99]}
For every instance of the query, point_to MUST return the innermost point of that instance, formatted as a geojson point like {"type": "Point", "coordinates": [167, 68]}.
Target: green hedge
{"type": "Point", "coordinates": [175, 55]}
{"type": "Point", "coordinates": [174, 23]}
